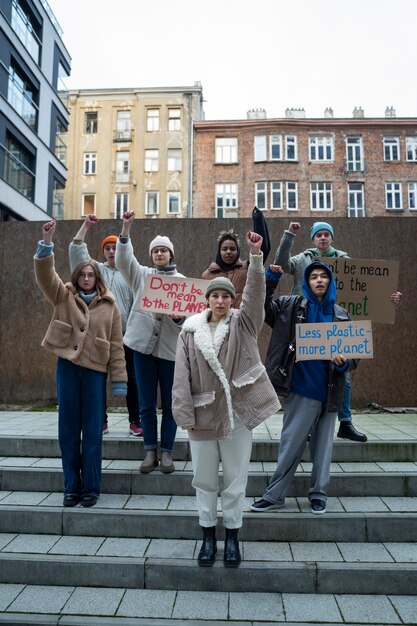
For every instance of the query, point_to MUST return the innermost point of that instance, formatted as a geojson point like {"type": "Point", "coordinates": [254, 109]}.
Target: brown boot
{"type": "Point", "coordinates": [167, 466]}
{"type": "Point", "coordinates": [149, 462]}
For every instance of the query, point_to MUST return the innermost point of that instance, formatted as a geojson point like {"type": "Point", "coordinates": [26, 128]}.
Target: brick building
{"type": "Point", "coordinates": [306, 167]}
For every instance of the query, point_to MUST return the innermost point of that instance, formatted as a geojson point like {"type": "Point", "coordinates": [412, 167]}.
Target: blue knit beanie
{"type": "Point", "coordinates": [320, 226]}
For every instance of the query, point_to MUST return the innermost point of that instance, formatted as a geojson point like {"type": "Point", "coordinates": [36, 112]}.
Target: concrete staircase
{"type": "Point", "coordinates": [144, 534]}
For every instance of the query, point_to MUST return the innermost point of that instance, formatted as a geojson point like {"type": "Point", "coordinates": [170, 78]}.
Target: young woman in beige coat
{"type": "Point", "coordinates": [221, 392]}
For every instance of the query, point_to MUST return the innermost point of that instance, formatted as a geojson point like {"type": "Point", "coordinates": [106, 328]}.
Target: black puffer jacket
{"type": "Point", "coordinates": [282, 315]}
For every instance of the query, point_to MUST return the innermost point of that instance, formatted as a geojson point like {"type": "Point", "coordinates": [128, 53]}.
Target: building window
{"type": "Point", "coordinates": [152, 202]}
{"type": "Point", "coordinates": [122, 167]}
{"type": "Point", "coordinates": [276, 195]}
{"type": "Point", "coordinates": [393, 196]}
{"type": "Point", "coordinates": [412, 196]}
{"type": "Point", "coordinates": [151, 160]}
{"type": "Point", "coordinates": [123, 125]}
{"type": "Point", "coordinates": [88, 204]}
{"type": "Point", "coordinates": [19, 167]}
{"type": "Point", "coordinates": [174, 120]}
{"type": "Point", "coordinates": [321, 197]}
{"type": "Point", "coordinates": [174, 160]}
{"type": "Point", "coordinates": [22, 95]}
{"type": "Point", "coordinates": [292, 197]}
{"type": "Point", "coordinates": [226, 150]}
{"type": "Point", "coordinates": [58, 200]}
{"type": "Point", "coordinates": [121, 204]}
{"type": "Point", "coordinates": [411, 148]}
{"type": "Point", "coordinates": [354, 154]}
{"type": "Point", "coordinates": [91, 123]}
{"type": "Point", "coordinates": [90, 163]}
{"type": "Point", "coordinates": [260, 148]}
{"type": "Point", "coordinates": [275, 147]}
{"type": "Point", "coordinates": [356, 200]}
{"type": "Point", "coordinates": [226, 200]}
{"type": "Point", "coordinates": [321, 148]}
{"type": "Point", "coordinates": [27, 29]}
{"type": "Point", "coordinates": [291, 148]}
{"type": "Point", "coordinates": [173, 202]}
{"type": "Point", "coordinates": [152, 120]}
{"type": "Point", "coordinates": [391, 148]}
{"type": "Point", "coordinates": [260, 196]}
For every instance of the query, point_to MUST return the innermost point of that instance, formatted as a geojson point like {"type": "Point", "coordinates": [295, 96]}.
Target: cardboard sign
{"type": "Point", "coordinates": [174, 295]}
{"type": "Point", "coordinates": [323, 341]}
{"type": "Point", "coordinates": [364, 287]}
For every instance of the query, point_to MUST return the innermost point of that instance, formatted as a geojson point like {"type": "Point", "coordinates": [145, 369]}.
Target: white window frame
{"type": "Point", "coordinates": [276, 195]}
{"type": "Point", "coordinates": [291, 191]}
{"type": "Point", "coordinates": [121, 204]}
{"type": "Point", "coordinates": [83, 198]}
{"type": "Point", "coordinates": [228, 193]}
{"type": "Point", "coordinates": [174, 120]}
{"type": "Point", "coordinates": [122, 167]}
{"type": "Point", "coordinates": [412, 196]}
{"type": "Point", "coordinates": [356, 200]}
{"type": "Point", "coordinates": [152, 120]}
{"type": "Point", "coordinates": [173, 195]}
{"type": "Point", "coordinates": [261, 198]}
{"type": "Point", "coordinates": [321, 148]}
{"type": "Point", "coordinates": [151, 160]}
{"type": "Point", "coordinates": [123, 124]}
{"type": "Point", "coordinates": [226, 149]}
{"type": "Point", "coordinates": [291, 143]}
{"type": "Point", "coordinates": [354, 154]}
{"type": "Point", "coordinates": [411, 148]}
{"type": "Point", "coordinates": [321, 195]}
{"type": "Point", "coordinates": [393, 196]}
{"type": "Point", "coordinates": [148, 196]}
{"type": "Point", "coordinates": [275, 143]}
{"type": "Point", "coordinates": [90, 163]}
{"type": "Point", "coordinates": [90, 125]}
{"type": "Point", "coordinates": [391, 148]}
{"type": "Point", "coordinates": [174, 160]}
{"type": "Point", "coordinates": [259, 148]}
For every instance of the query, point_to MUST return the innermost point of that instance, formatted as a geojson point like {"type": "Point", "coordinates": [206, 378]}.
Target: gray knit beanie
{"type": "Point", "coordinates": [222, 283]}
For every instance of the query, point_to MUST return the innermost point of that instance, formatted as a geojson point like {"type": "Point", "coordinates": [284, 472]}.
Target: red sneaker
{"type": "Point", "coordinates": [135, 430]}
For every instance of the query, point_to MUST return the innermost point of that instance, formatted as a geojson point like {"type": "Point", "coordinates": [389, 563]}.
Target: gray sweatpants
{"type": "Point", "coordinates": [302, 416]}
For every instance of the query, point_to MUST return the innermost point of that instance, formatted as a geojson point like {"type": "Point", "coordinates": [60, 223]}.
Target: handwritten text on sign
{"type": "Point", "coordinates": [323, 341]}
{"type": "Point", "coordinates": [364, 287]}
{"type": "Point", "coordinates": [174, 295]}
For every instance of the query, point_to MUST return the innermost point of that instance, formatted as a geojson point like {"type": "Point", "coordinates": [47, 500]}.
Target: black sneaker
{"type": "Point", "coordinates": [318, 507]}
{"type": "Point", "coordinates": [264, 505]}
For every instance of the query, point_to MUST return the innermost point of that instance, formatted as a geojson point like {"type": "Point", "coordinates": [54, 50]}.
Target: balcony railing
{"type": "Point", "coordinates": [122, 178]}
{"type": "Point", "coordinates": [17, 174]}
{"type": "Point", "coordinates": [58, 207]}
{"type": "Point", "coordinates": [60, 149]}
{"type": "Point", "coordinates": [123, 135]}
{"type": "Point", "coordinates": [24, 30]}
{"type": "Point", "coordinates": [20, 101]}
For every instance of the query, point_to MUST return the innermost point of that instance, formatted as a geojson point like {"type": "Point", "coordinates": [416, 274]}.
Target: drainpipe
{"type": "Point", "coordinates": [190, 156]}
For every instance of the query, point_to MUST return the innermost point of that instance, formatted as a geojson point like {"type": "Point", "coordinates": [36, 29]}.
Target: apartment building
{"type": "Point", "coordinates": [33, 113]}
{"type": "Point", "coordinates": [131, 149]}
{"type": "Point", "coordinates": [351, 167]}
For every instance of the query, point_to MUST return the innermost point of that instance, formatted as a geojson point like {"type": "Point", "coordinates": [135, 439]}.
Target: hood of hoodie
{"type": "Point", "coordinates": [324, 308]}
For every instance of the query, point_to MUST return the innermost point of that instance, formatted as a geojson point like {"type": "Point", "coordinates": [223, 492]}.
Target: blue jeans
{"type": "Point", "coordinates": [81, 395]}
{"type": "Point", "coordinates": [151, 371]}
{"type": "Point", "coordinates": [344, 414]}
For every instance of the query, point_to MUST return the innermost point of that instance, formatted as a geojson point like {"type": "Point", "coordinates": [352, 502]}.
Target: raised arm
{"type": "Point", "coordinates": [283, 253]}
{"type": "Point", "coordinates": [78, 251]}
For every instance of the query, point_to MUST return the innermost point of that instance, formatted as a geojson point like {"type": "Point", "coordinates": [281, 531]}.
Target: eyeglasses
{"type": "Point", "coordinates": [160, 250]}
{"type": "Point", "coordinates": [87, 275]}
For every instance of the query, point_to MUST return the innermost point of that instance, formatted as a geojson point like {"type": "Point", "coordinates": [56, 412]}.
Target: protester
{"type": "Point", "coordinates": [221, 392]}
{"type": "Point", "coordinates": [85, 333]}
{"type": "Point", "coordinates": [78, 252]}
{"type": "Point", "coordinates": [322, 235]}
{"type": "Point", "coordinates": [153, 338]}
{"type": "Point", "coordinates": [313, 389]}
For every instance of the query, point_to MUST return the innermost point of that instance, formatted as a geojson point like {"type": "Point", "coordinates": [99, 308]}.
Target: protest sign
{"type": "Point", "coordinates": [324, 340]}
{"type": "Point", "coordinates": [364, 287]}
{"type": "Point", "coordinates": [174, 295]}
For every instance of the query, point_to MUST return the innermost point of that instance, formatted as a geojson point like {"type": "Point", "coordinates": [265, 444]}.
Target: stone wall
{"type": "Point", "coordinates": [28, 371]}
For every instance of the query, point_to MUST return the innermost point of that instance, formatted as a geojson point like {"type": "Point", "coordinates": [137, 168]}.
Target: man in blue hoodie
{"type": "Point", "coordinates": [313, 389]}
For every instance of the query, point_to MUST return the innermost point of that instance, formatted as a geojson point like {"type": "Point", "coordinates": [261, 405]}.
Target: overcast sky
{"type": "Point", "coordinates": [269, 54]}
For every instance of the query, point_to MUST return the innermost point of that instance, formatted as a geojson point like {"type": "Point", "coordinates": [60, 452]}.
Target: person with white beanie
{"type": "Point", "coordinates": [153, 338]}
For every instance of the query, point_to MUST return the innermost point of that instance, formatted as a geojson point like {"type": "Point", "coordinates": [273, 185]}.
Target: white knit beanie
{"type": "Point", "coordinates": [162, 241]}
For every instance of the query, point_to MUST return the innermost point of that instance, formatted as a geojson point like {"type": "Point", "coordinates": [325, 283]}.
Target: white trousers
{"type": "Point", "coordinates": [234, 454]}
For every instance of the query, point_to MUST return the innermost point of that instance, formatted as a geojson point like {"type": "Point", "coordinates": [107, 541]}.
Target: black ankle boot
{"type": "Point", "coordinates": [232, 556]}
{"type": "Point", "coordinates": [207, 554]}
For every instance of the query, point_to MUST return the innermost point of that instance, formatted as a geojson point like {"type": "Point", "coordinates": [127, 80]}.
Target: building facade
{"type": "Point", "coordinates": [131, 149]}
{"type": "Point", "coordinates": [306, 167]}
{"type": "Point", "coordinates": [33, 113]}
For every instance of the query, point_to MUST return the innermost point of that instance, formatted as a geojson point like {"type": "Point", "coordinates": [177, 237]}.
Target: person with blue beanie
{"type": "Point", "coordinates": [313, 390]}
